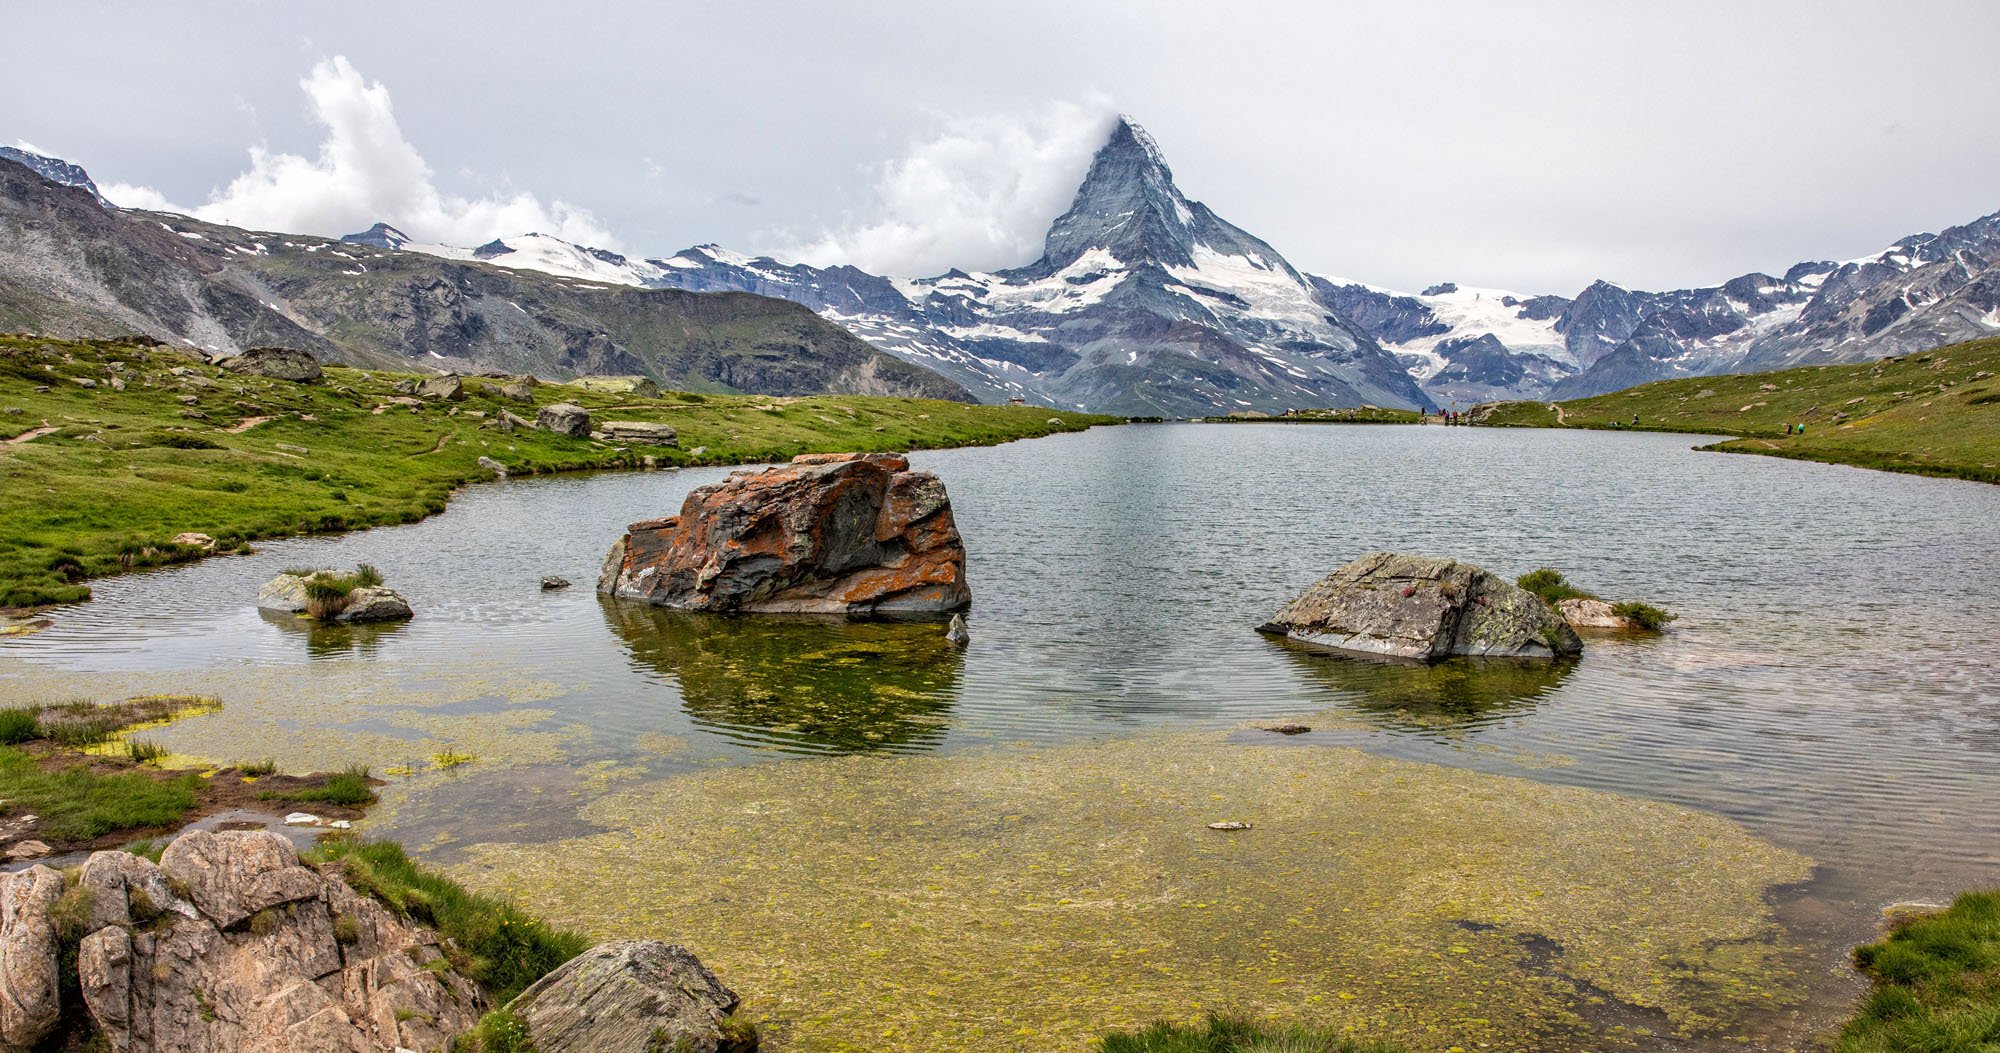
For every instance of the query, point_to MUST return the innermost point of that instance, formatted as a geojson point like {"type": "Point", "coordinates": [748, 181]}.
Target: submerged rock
{"type": "Point", "coordinates": [551, 582]}
{"type": "Point", "coordinates": [278, 363]}
{"type": "Point", "coordinates": [637, 996]}
{"type": "Point", "coordinates": [1423, 608]}
{"type": "Point", "coordinates": [564, 418]}
{"type": "Point", "coordinates": [851, 534]}
{"type": "Point", "coordinates": [957, 633]}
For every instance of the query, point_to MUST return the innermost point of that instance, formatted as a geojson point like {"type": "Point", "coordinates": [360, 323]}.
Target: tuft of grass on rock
{"type": "Point", "coordinates": [497, 1032]}
{"type": "Point", "coordinates": [1644, 615]}
{"type": "Point", "coordinates": [1225, 1034]}
{"type": "Point", "coordinates": [493, 942]}
{"type": "Point", "coordinates": [1551, 586]}
{"type": "Point", "coordinates": [1937, 984]}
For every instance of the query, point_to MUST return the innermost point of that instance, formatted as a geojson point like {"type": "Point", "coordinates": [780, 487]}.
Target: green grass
{"type": "Point", "coordinates": [77, 804]}
{"type": "Point", "coordinates": [1644, 615]}
{"type": "Point", "coordinates": [1936, 413]}
{"type": "Point", "coordinates": [1349, 415]}
{"type": "Point", "coordinates": [1221, 1034]}
{"type": "Point", "coordinates": [1551, 586]}
{"type": "Point", "coordinates": [123, 472]}
{"type": "Point", "coordinates": [1937, 984]}
{"type": "Point", "coordinates": [19, 724]}
{"type": "Point", "coordinates": [343, 787]}
{"type": "Point", "coordinates": [497, 1032]}
{"type": "Point", "coordinates": [494, 943]}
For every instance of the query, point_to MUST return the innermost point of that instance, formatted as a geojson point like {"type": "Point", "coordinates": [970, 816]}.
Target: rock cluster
{"type": "Point", "coordinates": [278, 363]}
{"type": "Point", "coordinates": [286, 593]}
{"type": "Point", "coordinates": [1426, 609]}
{"type": "Point", "coordinates": [1591, 613]}
{"type": "Point", "coordinates": [229, 943]}
{"type": "Point", "coordinates": [850, 534]}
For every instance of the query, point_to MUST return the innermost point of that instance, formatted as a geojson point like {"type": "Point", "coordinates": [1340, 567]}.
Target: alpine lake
{"type": "Point", "coordinates": [887, 843]}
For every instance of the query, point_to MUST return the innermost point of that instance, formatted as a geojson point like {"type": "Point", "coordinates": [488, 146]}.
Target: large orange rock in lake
{"type": "Point", "coordinates": [841, 533]}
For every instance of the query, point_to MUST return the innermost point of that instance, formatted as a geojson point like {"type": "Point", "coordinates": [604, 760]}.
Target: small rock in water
{"type": "Point", "coordinates": [302, 819]}
{"type": "Point", "coordinates": [553, 582]}
{"type": "Point", "coordinates": [1289, 729]}
{"type": "Point", "coordinates": [957, 633]}
{"type": "Point", "coordinates": [1229, 825]}
{"type": "Point", "coordinates": [26, 850]}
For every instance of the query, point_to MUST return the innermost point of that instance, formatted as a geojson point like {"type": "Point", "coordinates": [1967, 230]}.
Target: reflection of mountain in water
{"type": "Point", "coordinates": [801, 684]}
{"type": "Point", "coordinates": [1459, 694]}
{"type": "Point", "coordinates": [334, 641]}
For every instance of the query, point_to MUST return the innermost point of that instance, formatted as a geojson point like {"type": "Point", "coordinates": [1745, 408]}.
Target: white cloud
{"type": "Point", "coordinates": [366, 172]}
{"type": "Point", "coordinates": [980, 195]}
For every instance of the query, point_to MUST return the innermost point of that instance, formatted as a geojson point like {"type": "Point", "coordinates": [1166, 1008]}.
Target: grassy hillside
{"type": "Point", "coordinates": [1936, 413]}
{"type": "Point", "coordinates": [98, 478]}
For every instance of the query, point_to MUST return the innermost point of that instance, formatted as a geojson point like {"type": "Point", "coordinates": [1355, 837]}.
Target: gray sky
{"type": "Point", "coordinates": [1533, 146]}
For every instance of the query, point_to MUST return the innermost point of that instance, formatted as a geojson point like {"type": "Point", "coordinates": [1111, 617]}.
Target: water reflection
{"type": "Point", "coordinates": [1455, 695]}
{"type": "Point", "coordinates": [800, 684]}
{"type": "Point", "coordinates": [334, 641]}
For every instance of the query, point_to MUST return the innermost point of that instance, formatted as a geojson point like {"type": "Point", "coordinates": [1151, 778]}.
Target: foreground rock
{"type": "Point", "coordinates": [564, 418]}
{"type": "Point", "coordinates": [228, 943]}
{"type": "Point", "coordinates": [639, 996]}
{"type": "Point", "coordinates": [1426, 609]}
{"type": "Point", "coordinates": [286, 593]}
{"type": "Point", "coordinates": [278, 363]}
{"type": "Point", "coordinates": [851, 534]}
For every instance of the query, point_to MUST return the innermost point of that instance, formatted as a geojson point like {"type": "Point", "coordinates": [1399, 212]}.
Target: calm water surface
{"type": "Point", "coordinates": [1830, 682]}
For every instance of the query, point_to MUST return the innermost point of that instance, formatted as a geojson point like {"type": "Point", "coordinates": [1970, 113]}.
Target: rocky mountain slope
{"type": "Point", "coordinates": [75, 268]}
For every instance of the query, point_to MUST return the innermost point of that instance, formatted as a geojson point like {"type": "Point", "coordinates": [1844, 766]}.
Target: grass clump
{"type": "Point", "coordinates": [144, 751]}
{"type": "Point", "coordinates": [343, 787]}
{"type": "Point", "coordinates": [19, 724]}
{"type": "Point", "coordinates": [328, 592]}
{"type": "Point", "coordinates": [1643, 615]}
{"type": "Point", "coordinates": [494, 943]}
{"type": "Point", "coordinates": [497, 1032]}
{"type": "Point", "coordinates": [1222, 1034]}
{"type": "Point", "coordinates": [77, 804]}
{"type": "Point", "coordinates": [1937, 984]}
{"type": "Point", "coordinates": [258, 768]}
{"type": "Point", "coordinates": [1551, 586]}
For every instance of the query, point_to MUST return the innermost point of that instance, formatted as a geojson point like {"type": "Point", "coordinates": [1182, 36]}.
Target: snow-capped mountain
{"type": "Point", "coordinates": [1463, 344]}
{"type": "Point", "coordinates": [53, 169]}
{"type": "Point", "coordinates": [1143, 302]}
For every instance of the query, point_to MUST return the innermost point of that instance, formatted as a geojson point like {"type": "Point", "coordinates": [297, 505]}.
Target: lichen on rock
{"type": "Point", "coordinates": [1425, 609]}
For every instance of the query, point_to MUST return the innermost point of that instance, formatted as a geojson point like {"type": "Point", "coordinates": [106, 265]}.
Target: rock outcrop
{"type": "Point", "coordinates": [851, 534]}
{"type": "Point", "coordinates": [1591, 613]}
{"type": "Point", "coordinates": [228, 943]}
{"type": "Point", "coordinates": [448, 387]}
{"type": "Point", "coordinates": [1426, 609]}
{"type": "Point", "coordinates": [286, 593]}
{"type": "Point", "coordinates": [278, 363]}
{"type": "Point", "coordinates": [564, 418]}
{"type": "Point", "coordinates": [644, 433]}
{"type": "Point", "coordinates": [638, 996]}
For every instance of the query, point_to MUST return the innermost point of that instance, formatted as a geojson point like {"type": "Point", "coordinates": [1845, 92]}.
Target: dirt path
{"type": "Point", "coordinates": [1560, 420]}
{"type": "Point", "coordinates": [245, 424]}
{"type": "Point", "coordinates": [442, 439]}
{"type": "Point", "coordinates": [27, 436]}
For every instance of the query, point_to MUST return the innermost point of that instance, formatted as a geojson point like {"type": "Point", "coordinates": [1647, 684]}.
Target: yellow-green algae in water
{"type": "Point", "coordinates": [1031, 899]}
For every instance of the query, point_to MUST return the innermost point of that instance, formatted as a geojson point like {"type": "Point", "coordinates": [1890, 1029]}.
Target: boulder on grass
{"type": "Point", "coordinates": [447, 387]}
{"type": "Point", "coordinates": [278, 363]}
{"type": "Point", "coordinates": [1425, 609]}
{"type": "Point", "coordinates": [634, 996]}
{"type": "Point", "coordinates": [644, 433]}
{"type": "Point", "coordinates": [29, 992]}
{"type": "Point", "coordinates": [564, 418]}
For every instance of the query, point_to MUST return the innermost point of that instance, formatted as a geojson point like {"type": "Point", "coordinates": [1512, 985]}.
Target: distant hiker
{"type": "Point", "coordinates": [1635, 420]}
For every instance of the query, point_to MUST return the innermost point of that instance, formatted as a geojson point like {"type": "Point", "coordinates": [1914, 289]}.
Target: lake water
{"type": "Point", "coordinates": [1829, 684]}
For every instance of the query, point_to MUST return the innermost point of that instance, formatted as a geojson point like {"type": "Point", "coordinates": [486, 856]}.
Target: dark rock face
{"type": "Point", "coordinates": [53, 169]}
{"type": "Point", "coordinates": [639, 996]}
{"type": "Point", "coordinates": [564, 418]}
{"type": "Point", "coordinates": [849, 534]}
{"type": "Point", "coordinates": [278, 363]}
{"type": "Point", "coordinates": [1424, 609]}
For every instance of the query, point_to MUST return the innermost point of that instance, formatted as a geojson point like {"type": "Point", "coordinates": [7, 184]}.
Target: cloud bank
{"type": "Point", "coordinates": [365, 172]}
{"type": "Point", "coordinates": [979, 195]}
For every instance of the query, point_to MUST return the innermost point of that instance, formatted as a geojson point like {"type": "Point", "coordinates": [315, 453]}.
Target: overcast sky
{"type": "Point", "coordinates": [1533, 146]}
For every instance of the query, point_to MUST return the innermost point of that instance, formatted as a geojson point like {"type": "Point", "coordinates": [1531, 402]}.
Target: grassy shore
{"type": "Point", "coordinates": [1353, 415]}
{"type": "Point", "coordinates": [99, 477]}
{"type": "Point", "coordinates": [1936, 413]}
{"type": "Point", "coordinates": [1937, 984]}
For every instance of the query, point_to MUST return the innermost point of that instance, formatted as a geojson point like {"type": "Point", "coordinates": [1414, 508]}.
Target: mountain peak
{"type": "Point", "coordinates": [54, 169]}
{"type": "Point", "coordinates": [381, 235]}
{"type": "Point", "coordinates": [1127, 204]}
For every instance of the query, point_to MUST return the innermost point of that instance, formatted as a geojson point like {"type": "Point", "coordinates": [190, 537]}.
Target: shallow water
{"type": "Point", "coordinates": [1829, 683]}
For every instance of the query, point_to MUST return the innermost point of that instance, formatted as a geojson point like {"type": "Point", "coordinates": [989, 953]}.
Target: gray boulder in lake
{"type": "Point", "coordinates": [634, 996]}
{"type": "Point", "coordinates": [373, 603]}
{"type": "Point", "coordinates": [1426, 609]}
